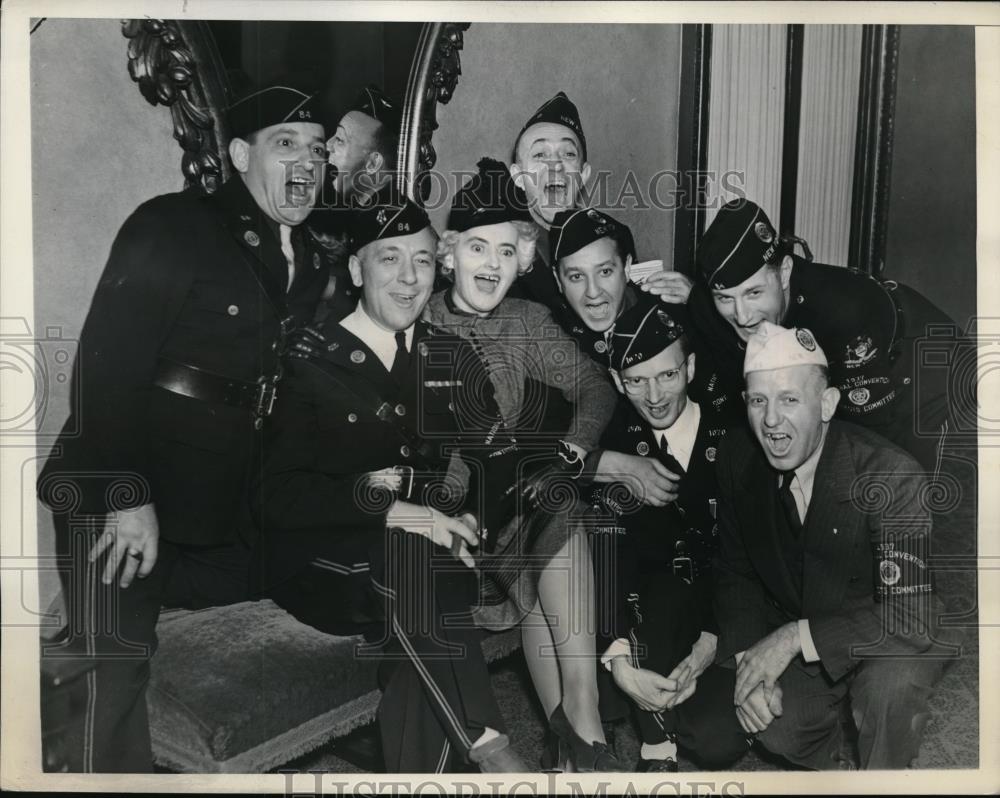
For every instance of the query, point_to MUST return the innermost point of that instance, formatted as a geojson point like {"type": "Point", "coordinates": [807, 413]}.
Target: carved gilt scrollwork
{"type": "Point", "coordinates": [433, 78]}
{"type": "Point", "coordinates": [168, 59]}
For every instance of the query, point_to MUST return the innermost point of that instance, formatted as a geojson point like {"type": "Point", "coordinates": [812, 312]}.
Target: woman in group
{"type": "Point", "coordinates": [537, 568]}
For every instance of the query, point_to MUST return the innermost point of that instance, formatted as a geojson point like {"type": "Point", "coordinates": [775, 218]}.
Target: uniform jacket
{"type": "Point", "coordinates": [866, 538]}
{"type": "Point", "coordinates": [647, 537]}
{"type": "Point", "coordinates": [200, 280]}
{"type": "Point", "coordinates": [325, 436]}
{"type": "Point", "coordinates": [871, 333]}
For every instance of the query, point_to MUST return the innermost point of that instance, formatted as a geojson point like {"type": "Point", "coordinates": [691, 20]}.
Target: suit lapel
{"type": "Point", "coordinates": [346, 351]}
{"type": "Point", "coordinates": [830, 526]}
{"type": "Point", "coordinates": [246, 224]}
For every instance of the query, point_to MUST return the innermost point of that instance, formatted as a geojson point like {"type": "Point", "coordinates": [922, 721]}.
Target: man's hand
{"type": "Point", "coordinates": [691, 667]}
{"type": "Point", "coordinates": [647, 688]}
{"type": "Point", "coordinates": [433, 524]}
{"type": "Point", "coordinates": [133, 534]}
{"type": "Point", "coordinates": [669, 286]}
{"type": "Point", "coordinates": [305, 343]}
{"type": "Point", "coordinates": [760, 709]}
{"type": "Point", "coordinates": [648, 479]}
{"type": "Point", "coordinates": [766, 660]}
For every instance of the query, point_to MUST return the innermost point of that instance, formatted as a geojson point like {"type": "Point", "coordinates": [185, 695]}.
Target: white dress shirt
{"type": "Point", "coordinates": [381, 341]}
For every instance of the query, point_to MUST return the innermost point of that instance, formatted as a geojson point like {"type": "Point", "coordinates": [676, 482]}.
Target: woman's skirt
{"type": "Point", "coordinates": [508, 585]}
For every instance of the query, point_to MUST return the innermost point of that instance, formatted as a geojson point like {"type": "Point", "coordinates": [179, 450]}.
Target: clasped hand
{"type": "Point", "coordinates": [757, 695]}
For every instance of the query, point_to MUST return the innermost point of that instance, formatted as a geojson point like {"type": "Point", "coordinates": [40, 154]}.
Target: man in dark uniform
{"type": "Point", "coordinates": [358, 513]}
{"type": "Point", "coordinates": [362, 168]}
{"type": "Point", "coordinates": [178, 363]}
{"type": "Point", "coordinates": [824, 597]}
{"type": "Point", "coordinates": [656, 540]}
{"type": "Point", "coordinates": [870, 329]}
{"type": "Point", "coordinates": [592, 255]}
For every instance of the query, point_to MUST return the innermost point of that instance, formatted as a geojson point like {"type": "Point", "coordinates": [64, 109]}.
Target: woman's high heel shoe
{"type": "Point", "coordinates": [578, 756]}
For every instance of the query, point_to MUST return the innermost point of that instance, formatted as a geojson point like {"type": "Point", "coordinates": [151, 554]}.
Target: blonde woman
{"type": "Point", "coordinates": [536, 563]}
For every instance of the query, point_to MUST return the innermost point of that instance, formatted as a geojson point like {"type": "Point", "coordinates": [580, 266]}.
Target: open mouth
{"type": "Point", "coordinates": [300, 189]}
{"type": "Point", "coordinates": [778, 442]}
{"type": "Point", "coordinates": [598, 310]}
{"type": "Point", "coordinates": [404, 300]}
{"type": "Point", "coordinates": [487, 283]}
{"type": "Point", "coordinates": [660, 411]}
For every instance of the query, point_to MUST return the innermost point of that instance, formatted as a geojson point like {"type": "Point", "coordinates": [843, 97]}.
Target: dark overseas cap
{"type": "Point", "coordinates": [273, 105]}
{"type": "Point", "coordinates": [400, 217]}
{"type": "Point", "coordinates": [379, 106]}
{"type": "Point", "coordinates": [559, 110]}
{"type": "Point", "coordinates": [489, 197]}
{"type": "Point", "coordinates": [642, 332]}
{"type": "Point", "coordinates": [574, 229]}
{"type": "Point", "coordinates": [739, 241]}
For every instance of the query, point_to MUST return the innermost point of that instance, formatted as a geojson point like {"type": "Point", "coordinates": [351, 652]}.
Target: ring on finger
{"type": "Point", "coordinates": [135, 553]}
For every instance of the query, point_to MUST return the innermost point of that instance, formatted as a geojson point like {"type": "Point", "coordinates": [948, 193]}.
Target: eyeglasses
{"type": "Point", "coordinates": [638, 386]}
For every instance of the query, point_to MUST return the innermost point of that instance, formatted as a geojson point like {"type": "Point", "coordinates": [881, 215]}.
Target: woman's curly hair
{"type": "Point", "coordinates": [527, 238]}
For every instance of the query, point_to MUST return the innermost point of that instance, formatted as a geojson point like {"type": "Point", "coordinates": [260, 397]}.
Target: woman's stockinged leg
{"type": "Point", "coordinates": [566, 596]}
{"type": "Point", "coordinates": [539, 654]}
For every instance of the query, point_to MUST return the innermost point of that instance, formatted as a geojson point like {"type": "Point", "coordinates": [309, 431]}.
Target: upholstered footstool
{"type": "Point", "coordinates": [247, 688]}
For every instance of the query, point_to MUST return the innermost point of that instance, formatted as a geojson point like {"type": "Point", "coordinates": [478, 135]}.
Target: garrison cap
{"type": "Point", "coordinates": [559, 110]}
{"type": "Point", "coordinates": [489, 197]}
{"type": "Point", "coordinates": [574, 229]}
{"type": "Point", "coordinates": [740, 240]}
{"type": "Point", "coordinates": [642, 332]}
{"type": "Point", "coordinates": [774, 347]}
{"type": "Point", "coordinates": [379, 106]}
{"type": "Point", "coordinates": [273, 105]}
{"type": "Point", "coordinates": [386, 220]}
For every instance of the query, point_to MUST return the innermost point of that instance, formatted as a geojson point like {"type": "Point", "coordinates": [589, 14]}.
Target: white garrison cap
{"type": "Point", "coordinates": [774, 347]}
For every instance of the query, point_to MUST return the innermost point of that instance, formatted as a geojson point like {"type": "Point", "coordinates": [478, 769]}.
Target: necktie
{"type": "Point", "coordinates": [401, 362]}
{"type": "Point", "coordinates": [288, 251]}
{"type": "Point", "coordinates": [788, 503]}
{"type": "Point", "coordinates": [668, 459]}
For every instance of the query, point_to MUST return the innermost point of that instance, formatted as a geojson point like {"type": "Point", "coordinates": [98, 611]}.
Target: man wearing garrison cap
{"type": "Point", "coordinates": [655, 491]}
{"type": "Point", "coordinates": [361, 168]}
{"type": "Point", "coordinates": [872, 330]}
{"type": "Point", "coordinates": [824, 596]}
{"type": "Point", "coordinates": [353, 500]}
{"type": "Point", "coordinates": [176, 376]}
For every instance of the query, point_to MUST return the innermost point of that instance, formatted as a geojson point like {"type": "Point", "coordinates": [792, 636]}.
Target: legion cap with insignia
{"type": "Point", "coordinates": [273, 105]}
{"type": "Point", "coordinates": [774, 347]}
{"type": "Point", "coordinates": [574, 229]}
{"type": "Point", "coordinates": [738, 242]}
{"type": "Point", "coordinates": [489, 197]}
{"type": "Point", "coordinates": [642, 332]}
{"type": "Point", "coordinates": [559, 110]}
{"type": "Point", "coordinates": [386, 220]}
{"type": "Point", "coordinates": [379, 106]}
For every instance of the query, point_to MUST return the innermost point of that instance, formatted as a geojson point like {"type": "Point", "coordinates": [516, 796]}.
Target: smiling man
{"type": "Point", "coordinates": [870, 329]}
{"type": "Point", "coordinates": [824, 598]}
{"type": "Point", "coordinates": [354, 500]}
{"type": "Point", "coordinates": [654, 550]}
{"type": "Point", "coordinates": [177, 368]}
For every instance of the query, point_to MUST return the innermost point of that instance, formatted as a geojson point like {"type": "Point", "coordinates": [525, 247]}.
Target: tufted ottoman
{"type": "Point", "coordinates": [247, 688]}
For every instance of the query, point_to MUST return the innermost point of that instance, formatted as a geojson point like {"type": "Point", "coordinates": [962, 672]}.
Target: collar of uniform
{"type": "Point", "coordinates": [682, 434]}
{"type": "Point", "coordinates": [381, 341]}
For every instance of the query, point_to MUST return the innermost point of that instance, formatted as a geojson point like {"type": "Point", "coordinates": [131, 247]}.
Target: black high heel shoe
{"type": "Point", "coordinates": [577, 756]}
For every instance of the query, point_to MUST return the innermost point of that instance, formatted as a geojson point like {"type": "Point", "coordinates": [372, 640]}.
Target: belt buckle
{"type": "Point", "coordinates": [405, 473]}
{"type": "Point", "coordinates": [267, 392]}
{"type": "Point", "coordinates": [684, 568]}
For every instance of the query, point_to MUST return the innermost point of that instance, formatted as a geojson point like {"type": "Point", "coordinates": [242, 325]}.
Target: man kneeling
{"type": "Point", "coordinates": [655, 545]}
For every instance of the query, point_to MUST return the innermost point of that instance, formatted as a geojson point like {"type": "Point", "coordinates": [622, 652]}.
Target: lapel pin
{"type": "Point", "coordinates": [251, 238]}
{"type": "Point", "coordinates": [357, 356]}
{"type": "Point", "coordinates": [642, 448]}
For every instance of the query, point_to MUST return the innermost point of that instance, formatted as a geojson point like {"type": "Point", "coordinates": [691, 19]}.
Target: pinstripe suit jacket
{"type": "Point", "coordinates": [866, 588]}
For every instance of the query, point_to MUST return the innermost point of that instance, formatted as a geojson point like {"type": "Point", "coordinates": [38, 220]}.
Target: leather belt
{"type": "Point", "coordinates": [207, 386]}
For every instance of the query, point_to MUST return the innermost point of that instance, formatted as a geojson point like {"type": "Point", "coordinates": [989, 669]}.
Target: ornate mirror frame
{"type": "Point", "coordinates": [177, 64]}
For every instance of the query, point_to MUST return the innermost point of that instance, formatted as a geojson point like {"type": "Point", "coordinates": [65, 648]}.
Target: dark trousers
{"type": "Point", "coordinates": [888, 701]}
{"type": "Point", "coordinates": [114, 631]}
{"type": "Point", "coordinates": [437, 697]}
{"type": "Point", "coordinates": [705, 725]}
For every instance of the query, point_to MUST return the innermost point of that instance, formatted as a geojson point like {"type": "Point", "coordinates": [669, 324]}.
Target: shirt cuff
{"type": "Point", "coordinates": [809, 652]}
{"type": "Point", "coordinates": [618, 648]}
